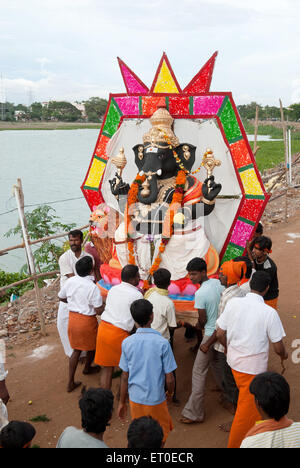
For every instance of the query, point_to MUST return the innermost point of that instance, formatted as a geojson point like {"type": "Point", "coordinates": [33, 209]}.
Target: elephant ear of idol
{"type": "Point", "coordinates": [186, 153]}
{"type": "Point", "coordinates": [139, 155]}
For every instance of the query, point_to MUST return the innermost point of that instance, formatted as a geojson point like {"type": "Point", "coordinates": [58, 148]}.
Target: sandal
{"type": "Point", "coordinates": [184, 420]}
{"type": "Point", "coordinates": [225, 427]}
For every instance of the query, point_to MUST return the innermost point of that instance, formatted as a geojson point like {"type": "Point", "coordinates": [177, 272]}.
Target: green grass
{"type": "Point", "coordinates": [40, 418]}
{"type": "Point", "coordinates": [274, 132]}
{"type": "Point", "coordinates": [271, 153]}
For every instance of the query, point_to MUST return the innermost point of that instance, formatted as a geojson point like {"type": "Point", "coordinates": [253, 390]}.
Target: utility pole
{"type": "Point", "coordinates": [255, 148]}
{"type": "Point", "coordinates": [284, 139]}
{"type": "Point", "coordinates": [2, 98]}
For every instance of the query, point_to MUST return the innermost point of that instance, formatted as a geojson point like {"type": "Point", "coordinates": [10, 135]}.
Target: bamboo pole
{"type": "Point", "coordinates": [255, 148]}
{"type": "Point", "coordinates": [29, 278]}
{"type": "Point", "coordinates": [286, 156]}
{"type": "Point", "coordinates": [284, 138]}
{"type": "Point", "coordinates": [282, 173]}
{"type": "Point", "coordinates": [18, 192]}
{"type": "Point", "coordinates": [43, 239]}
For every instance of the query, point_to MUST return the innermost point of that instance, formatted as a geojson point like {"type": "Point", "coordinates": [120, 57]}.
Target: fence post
{"type": "Point", "coordinates": [284, 140]}
{"type": "Point", "coordinates": [18, 192]}
{"type": "Point", "coordinates": [289, 139]}
{"type": "Point", "coordinates": [255, 147]}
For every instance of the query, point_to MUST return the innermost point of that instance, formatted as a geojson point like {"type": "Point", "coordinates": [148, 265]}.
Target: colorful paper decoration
{"type": "Point", "coordinates": [195, 101]}
{"type": "Point", "coordinates": [165, 81]}
{"type": "Point", "coordinates": [133, 84]}
{"type": "Point", "coordinates": [201, 82]}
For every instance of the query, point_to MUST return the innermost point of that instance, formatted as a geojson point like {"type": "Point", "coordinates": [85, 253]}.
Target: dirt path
{"type": "Point", "coordinates": [38, 370]}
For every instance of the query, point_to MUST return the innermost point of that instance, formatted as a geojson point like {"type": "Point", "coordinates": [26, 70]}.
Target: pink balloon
{"type": "Point", "coordinates": [106, 278]}
{"type": "Point", "coordinates": [189, 290]}
{"type": "Point", "coordinates": [115, 281]}
{"type": "Point", "coordinates": [173, 289]}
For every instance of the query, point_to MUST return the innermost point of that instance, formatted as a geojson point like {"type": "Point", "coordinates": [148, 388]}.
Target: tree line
{"type": "Point", "coordinates": [247, 112]}
{"type": "Point", "coordinates": [91, 110]}
{"type": "Point", "coordinates": [94, 108]}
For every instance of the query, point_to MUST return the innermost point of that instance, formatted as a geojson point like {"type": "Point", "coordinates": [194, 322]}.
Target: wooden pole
{"type": "Point", "coordinates": [43, 239]}
{"type": "Point", "coordinates": [30, 278]}
{"type": "Point", "coordinates": [18, 192]}
{"type": "Point", "coordinates": [255, 148]}
{"type": "Point", "coordinates": [284, 138]}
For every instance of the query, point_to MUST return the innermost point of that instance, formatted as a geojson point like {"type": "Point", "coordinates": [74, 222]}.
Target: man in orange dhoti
{"type": "Point", "coordinates": [84, 303]}
{"type": "Point", "coordinates": [148, 363]}
{"type": "Point", "coordinates": [116, 323]}
{"type": "Point", "coordinates": [245, 328]}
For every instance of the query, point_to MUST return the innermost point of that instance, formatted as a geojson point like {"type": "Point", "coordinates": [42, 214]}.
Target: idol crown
{"type": "Point", "coordinates": [161, 131]}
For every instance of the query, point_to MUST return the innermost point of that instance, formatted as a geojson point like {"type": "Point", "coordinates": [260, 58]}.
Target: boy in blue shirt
{"type": "Point", "coordinates": [148, 363]}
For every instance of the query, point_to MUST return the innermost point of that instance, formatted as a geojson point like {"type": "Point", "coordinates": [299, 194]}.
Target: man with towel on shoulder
{"type": "Point", "coordinates": [245, 328]}
{"type": "Point", "coordinates": [67, 262]}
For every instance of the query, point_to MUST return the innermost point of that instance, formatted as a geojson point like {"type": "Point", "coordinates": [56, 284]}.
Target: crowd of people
{"type": "Point", "coordinates": [133, 331]}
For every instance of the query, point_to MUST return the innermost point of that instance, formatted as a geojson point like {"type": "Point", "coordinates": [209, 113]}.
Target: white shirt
{"type": "Point", "coordinates": [67, 262]}
{"type": "Point", "coordinates": [228, 294]}
{"type": "Point", "coordinates": [250, 324]}
{"type": "Point", "coordinates": [164, 315]}
{"type": "Point", "coordinates": [118, 302]}
{"type": "Point", "coordinates": [83, 295]}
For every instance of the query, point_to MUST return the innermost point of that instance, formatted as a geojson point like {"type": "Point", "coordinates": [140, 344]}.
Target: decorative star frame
{"type": "Point", "coordinates": [193, 102]}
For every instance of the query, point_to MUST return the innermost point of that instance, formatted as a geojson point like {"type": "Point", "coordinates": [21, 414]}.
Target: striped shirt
{"type": "Point", "coordinates": [227, 294]}
{"type": "Point", "coordinates": [287, 437]}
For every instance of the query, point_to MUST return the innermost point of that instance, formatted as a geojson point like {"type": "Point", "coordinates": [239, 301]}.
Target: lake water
{"type": "Point", "coordinates": [52, 165]}
{"type": "Point", "coordinates": [263, 138]}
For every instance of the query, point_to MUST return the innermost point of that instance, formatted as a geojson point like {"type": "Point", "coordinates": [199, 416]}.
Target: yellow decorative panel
{"type": "Point", "coordinates": [251, 183]}
{"type": "Point", "coordinates": [165, 82]}
{"type": "Point", "coordinates": [95, 173]}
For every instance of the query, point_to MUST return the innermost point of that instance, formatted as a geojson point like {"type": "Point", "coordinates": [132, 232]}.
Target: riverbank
{"type": "Point", "coordinates": [49, 125]}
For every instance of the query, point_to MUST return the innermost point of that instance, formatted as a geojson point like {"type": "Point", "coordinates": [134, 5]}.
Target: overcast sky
{"type": "Point", "coordinates": [68, 49]}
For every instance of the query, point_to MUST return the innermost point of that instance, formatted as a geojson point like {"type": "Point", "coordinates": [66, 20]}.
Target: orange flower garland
{"type": "Point", "coordinates": [131, 200]}
{"type": "Point", "coordinates": [168, 225]}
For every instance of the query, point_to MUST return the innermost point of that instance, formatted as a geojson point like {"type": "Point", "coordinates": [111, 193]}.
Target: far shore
{"type": "Point", "coordinates": [48, 125]}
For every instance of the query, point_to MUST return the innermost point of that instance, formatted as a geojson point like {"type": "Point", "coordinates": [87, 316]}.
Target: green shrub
{"type": "Point", "coordinates": [8, 278]}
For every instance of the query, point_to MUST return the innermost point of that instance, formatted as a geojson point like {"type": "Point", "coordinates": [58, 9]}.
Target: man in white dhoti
{"type": "Point", "coordinates": [67, 262]}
